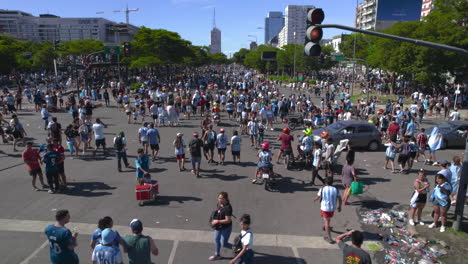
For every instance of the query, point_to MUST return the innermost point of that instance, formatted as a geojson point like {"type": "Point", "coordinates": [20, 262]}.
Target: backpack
{"type": "Point", "coordinates": [211, 138]}
{"type": "Point", "coordinates": [237, 245]}
{"type": "Point", "coordinates": [194, 146]}
{"type": "Point", "coordinates": [384, 122]}
{"type": "Point", "coordinates": [118, 145]}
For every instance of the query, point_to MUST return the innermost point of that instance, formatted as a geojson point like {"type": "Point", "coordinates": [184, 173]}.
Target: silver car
{"type": "Point", "coordinates": [360, 134]}
{"type": "Point", "coordinates": [452, 133]}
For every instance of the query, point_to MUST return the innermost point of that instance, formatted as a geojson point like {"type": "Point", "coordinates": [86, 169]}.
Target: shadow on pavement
{"type": "Point", "coordinates": [230, 177]}
{"type": "Point", "coordinates": [88, 189]}
{"type": "Point", "coordinates": [367, 203]}
{"type": "Point", "coordinates": [167, 200]}
{"type": "Point", "coordinates": [291, 185]}
{"type": "Point", "coordinates": [263, 258]}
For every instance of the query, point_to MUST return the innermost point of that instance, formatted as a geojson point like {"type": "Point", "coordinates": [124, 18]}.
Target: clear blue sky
{"type": "Point", "coordinates": [192, 19]}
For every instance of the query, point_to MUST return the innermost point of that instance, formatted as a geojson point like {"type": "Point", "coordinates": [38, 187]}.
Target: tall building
{"type": "Point", "coordinates": [253, 45]}
{"type": "Point", "coordinates": [427, 6]}
{"type": "Point", "coordinates": [47, 27]}
{"type": "Point", "coordinates": [382, 14]}
{"type": "Point", "coordinates": [294, 25]}
{"type": "Point", "coordinates": [274, 22]}
{"type": "Point", "coordinates": [215, 46]}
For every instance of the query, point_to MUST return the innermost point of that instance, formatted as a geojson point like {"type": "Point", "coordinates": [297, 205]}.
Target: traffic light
{"type": "Point", "coordinates": [314, 34]}
{"type": "Point", "coordinates": [126, 49]}
{"type": "Point", "coordinates": [56, 43]}
{"type": "Point", "coordinates": [321, 58]}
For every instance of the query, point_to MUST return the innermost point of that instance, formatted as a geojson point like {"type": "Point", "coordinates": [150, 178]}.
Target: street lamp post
{"type": "Point", "coordinates": [295, 56]}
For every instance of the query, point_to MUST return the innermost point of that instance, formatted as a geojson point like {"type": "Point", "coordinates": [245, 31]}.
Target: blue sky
{"type": "Point", "coordinates": [192, 19]}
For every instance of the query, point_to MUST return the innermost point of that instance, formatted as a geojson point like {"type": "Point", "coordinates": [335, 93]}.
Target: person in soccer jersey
{"type": "Point", "coordinates": [62, 242]}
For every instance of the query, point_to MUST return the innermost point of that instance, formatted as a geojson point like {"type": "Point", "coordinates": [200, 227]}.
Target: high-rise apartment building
{"type": "Point", "coordinates": [294, 25]}
{"type": "Point", "coordinates": [427, 6]}
{"type": "Point", "coordinates": [381, 14]}
{"type": "Point", "coordinates": [24, 26]}
{"type": "Point", "coordinates": [274, 22]}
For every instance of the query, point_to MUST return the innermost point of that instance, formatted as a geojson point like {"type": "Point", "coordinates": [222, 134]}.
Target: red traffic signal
{"type": "Point", "coordinates": [315, 16]}
{"type": "Point", "coordinates": [314, 34]}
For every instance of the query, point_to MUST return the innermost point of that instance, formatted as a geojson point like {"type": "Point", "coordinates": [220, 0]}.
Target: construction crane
{"type": "Point", "coordinates": [126, 10]}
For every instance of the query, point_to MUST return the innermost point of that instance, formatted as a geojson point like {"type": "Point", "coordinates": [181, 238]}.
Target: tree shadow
{"type": "Point", "coordinates": [88, 189]}
{"type": "Point", "coordinates": [167, 200]}
{"type": "Point", "coordinates": [264, 258]}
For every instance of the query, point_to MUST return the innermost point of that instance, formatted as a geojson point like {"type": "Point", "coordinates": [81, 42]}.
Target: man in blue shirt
{"type": "Point", "coordinates": [153, 140]}
{"type": "Point", "coordinates": [51, 159]}
{"type": "Point", "coordinates": [410, 128]}
{"type": "Point", "coordinates": [106, 253]}
{"type": "Point", "coordinates": [142, 164]}
{"type": "Point", "coordinates": [61, 241]}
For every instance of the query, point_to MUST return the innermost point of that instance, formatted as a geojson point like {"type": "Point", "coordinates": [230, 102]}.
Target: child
{"type": "Point", "coordinates": [135, 115]}
{"type": "Point", "coordinates": [413, 150]}
{"type": "Point", "coordinates": [390, 154]}
{"type": "Point", "coordinates": [455, 168]}
{"type": "Point", "coordinates": [422, 145]}
{"type": "Point", "coordinates": [161, 115]}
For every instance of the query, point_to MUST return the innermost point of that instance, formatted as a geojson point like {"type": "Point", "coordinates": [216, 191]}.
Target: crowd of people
{"type": "Point", "coordinates": [218, 96]}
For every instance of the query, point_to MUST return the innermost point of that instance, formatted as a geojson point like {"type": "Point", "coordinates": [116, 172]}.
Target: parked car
{"type": "Point", "coordinates": [360, 134]}
{"type": "Point", "coordinates": [452, 133]}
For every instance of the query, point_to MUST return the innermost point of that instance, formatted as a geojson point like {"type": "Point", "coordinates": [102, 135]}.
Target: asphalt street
{"type": "Point", "coordinates": [286, 221]}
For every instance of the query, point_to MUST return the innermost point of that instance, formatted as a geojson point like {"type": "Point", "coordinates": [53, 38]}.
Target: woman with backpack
{"type": "Point", "coordinates": [120, 150]}
{"type": "Point", "coordinates": [221, 222]}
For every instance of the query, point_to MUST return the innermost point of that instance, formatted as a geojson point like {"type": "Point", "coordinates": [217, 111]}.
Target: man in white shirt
{"type": "Point", "coordinates": [328, 196]}
{"type": "Point", "coordinates": [455, 115]}
{"type": "Point", "coordinates": [221, 144]}
{"type": "Point", "coordinates": [100, 140]}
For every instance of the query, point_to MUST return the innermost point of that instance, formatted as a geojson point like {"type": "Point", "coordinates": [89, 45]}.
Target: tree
{"type": "Point", "coordinates": [239, 56]}
{"type": "Point", "coordinates": [81, 47]}
{"type": "Point", "coordinates": [7, 54]}
{"type": "Point", "coordinates": [43, 57]}
{"type": "Point", "coordinates": [254, 60]}
{"type": "Point", "coordinates": [218, 58]}
{"type": "Point", "coordinates": [165, 45]}
{"type": "Point", "coordinates": [143, 62]}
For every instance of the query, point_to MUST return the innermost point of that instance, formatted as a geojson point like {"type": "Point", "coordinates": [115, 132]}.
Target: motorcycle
{"type": "Point", "coordinates": [287, 156]}
{"type": "Point", "coordinates": [295, 122]}
{"type": "Point", "coordinates": [266, 175]}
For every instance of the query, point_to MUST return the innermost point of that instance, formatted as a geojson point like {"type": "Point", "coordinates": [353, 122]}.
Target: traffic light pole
{"type": "Point", "coordinates": [383, 35]}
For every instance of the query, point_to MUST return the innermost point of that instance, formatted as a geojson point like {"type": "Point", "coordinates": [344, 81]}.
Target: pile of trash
{"type": "Point", "coordinates": [400, 246]}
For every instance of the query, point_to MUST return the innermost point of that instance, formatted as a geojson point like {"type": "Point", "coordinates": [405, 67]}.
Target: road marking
{"type": "Point", "coordinates": [30, 257]}
{"type": "Point", "coordinates": [186, 235]}
{"type": "Point", "coordinates": [296, 256]}
{"type": "Point", "coordinates": [173, 251]}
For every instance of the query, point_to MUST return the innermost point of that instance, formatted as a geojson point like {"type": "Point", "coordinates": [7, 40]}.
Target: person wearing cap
{"type": "Point", "coordinates": [444, 170]}
{"type": "Point", "coordinates": [142, 164]}
{"type": "Point", "coordinates": [306, 143]}
{"type": "Point", "coordinates": [221, 145]}
{"type": "Point", "coordinates": [140, 247]}
{"type": "Point", "coordinates": [106, 253]}
{"type": "Point", "coordinates": [153, 139]}
{"type": "Point", "coordinates": [195, 146]}
{"type": "Point", "coordinates": [32, 159]}
{"type": "Point", "coordinates": [120, 143]}
{"type": "Point", "coordinates": [179, 146]}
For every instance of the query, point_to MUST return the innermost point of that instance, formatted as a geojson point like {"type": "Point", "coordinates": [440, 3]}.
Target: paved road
{"type": "Point", "coordinates": [286, 221]}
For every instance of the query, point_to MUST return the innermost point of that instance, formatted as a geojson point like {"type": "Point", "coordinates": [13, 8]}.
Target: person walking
{"type": "Point", "coordinates": [143, 137]}
{"type": "Point", "coordinates": [328, 196]}
{"type": "Point", "coordinates": [62, 242]}
{"type": "Point", "coordinates": [246, 254]}
{"type": "Point", "coordinates": [153, 140]}
{"type": "Point", "coordinates": [179, 146]}
{"type": "Point", "coordinates": [419, 198]}
{"type": "Point", "coordinates": [353, 253]}
{"type": "Point", "coordinates": [100, 139]}
{"type": "Point", "coordinates": [32, 159]}
{"type": "Point", "coordinates": [140, 247]}
{"type": "Point", "coordinates": [316, 163]}
{"type": "Point", "coordinates": [348, 175]}
{"type": "Point", "coordinates": [221, 222]}
{"type": "Point", "coordinates": [455, 168]}
{"type": "Point", "coordinates": [236, 141]}
{"type": "Point", "coordinates": [52, 158]}
{"type": "Point", "coordinates": [221, 145]}
{"type": "Point", "coordinates": [120, 144]}
{"type": "Point", "coordinates": [195, 146]}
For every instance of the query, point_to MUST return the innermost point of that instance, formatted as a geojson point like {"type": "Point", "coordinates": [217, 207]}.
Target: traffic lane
{"type": "Point", "coordinates": [19, 245]}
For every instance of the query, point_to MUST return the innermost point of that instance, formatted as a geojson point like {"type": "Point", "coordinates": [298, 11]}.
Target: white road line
{"type": "Point", "coordinates": [30, 257]}
{"type": "Point", "coordinates": [204, 236]}
{"type": "Point", "coordinates": [296, 256]}
{"type": "Point", "coordinates": [173, 251]}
